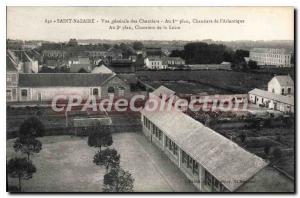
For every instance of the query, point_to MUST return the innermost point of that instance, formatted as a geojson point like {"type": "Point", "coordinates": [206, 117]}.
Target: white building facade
{"type": "Point", "coordinates": [271, 57]}
{"type": "Point", "coordinates": [154, 63]}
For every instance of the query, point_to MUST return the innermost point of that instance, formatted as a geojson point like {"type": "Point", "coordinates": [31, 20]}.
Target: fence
{"type": "Point", "coordinates": [83, 131]}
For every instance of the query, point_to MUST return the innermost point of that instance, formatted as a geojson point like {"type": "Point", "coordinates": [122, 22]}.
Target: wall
{"type": "Point", "coordinates": [48, 93]}
{"type": "Point", "coordinates": [279, 106]}
{"type": "Point", "coordinates": [196, 179]}
{"type": "Point", "coordinates": [273, 84]}
{"type": "Point", "coordinates": [116, 83]}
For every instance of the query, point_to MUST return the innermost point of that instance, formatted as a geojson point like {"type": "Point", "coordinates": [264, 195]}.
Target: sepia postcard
{"type": "Point", "coordinates": [150, 99]}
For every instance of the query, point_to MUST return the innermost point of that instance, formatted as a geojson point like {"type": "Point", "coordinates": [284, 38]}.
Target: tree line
{"type": "Point", "coordinates": [203, 53]}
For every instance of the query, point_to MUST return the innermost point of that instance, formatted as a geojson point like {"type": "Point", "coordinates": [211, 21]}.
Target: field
{"type": "Point", "coordinates": [57, 121]}
{"type": "Point", "coordinates": [65, 165]}
{"type": "Point", "coordinates": [257, 139]}
{"type": "Point", "coordinates": [221, 80]}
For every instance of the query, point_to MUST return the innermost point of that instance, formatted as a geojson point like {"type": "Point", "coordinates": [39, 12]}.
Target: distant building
{"type": "Point", "coordinates": [173, 61]}
{"type": "Point", "coordinates": [97, 53]}
{"type": "Point", "coordinates": [113, 54]}
{"type": "Point", "coordinates": [154, 63]}
{"type": "Point", "coordinates": [282, 85]}
{"type": "Point", "coordinates": [271, 57]}
{"type": "Point", "coordinates": [102, 70]}
{"type": "Point", "coordinates": [272, 101]}
{"type": "Point", "coordinates": [24, 63]}
{"type": "Point", "coordinates": [54, 53]}
{"type": "Point", "coordinates": [278, 97]}
{"type": "Point", "coordinates": [210, 67]}
{"type": "Point", "coordinates": [227, 63]}
{"type": "Point", "coordinates": [79, 64]}
{"type": "Point", "coordinates": [30, 65]}
{"type": "Point", "coordinates": [11, 79]}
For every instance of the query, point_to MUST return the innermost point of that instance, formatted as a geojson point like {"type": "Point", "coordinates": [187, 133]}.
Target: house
{"type": "Point", "coordinates": [271, 100]}
{"type": "Point", "coordinates": [228, 63]}
{"type": "Point", "coordinates": [271, 57]}
{"type": "Point", "coordinates": [79, 64]}
{"type": "Point", "coordinates": [173, 61]}
{"type": "Point", "coordinates": [24, 63]}
{"type": "Point", "coordinates": [114, 53]}
{"type": "Point", "coordinates": [96, 53]}
{"type": "Point", "coordinates": [210, 161]}
{"type": "Point", "coordinates": [282, 85]}
{"type": "Point", "coordinates": [102, 70]}
{"type": "Point", "coordinates": [15, 60]}
{"type": "Point", "coordinates": [54, 53]}
{"type": "Point", "coordinates": [11, 79]}
{"type": "Point", "coordinates": [45, 86]}
{"type": "Point", "coordinates": [154, 63]}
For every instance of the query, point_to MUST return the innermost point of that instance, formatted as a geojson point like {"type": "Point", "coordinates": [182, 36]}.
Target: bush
{"type": "Point", "coordinates": [277, 153]}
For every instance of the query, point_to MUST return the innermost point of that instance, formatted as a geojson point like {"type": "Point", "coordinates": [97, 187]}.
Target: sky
{"type": "Point", "coordinates": [260, 23]}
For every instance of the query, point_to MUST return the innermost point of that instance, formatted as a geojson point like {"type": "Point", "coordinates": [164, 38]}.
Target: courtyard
{"type": "Point", "coordinates": [65, 164]}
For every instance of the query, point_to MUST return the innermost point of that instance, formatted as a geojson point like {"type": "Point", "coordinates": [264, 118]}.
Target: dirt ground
{"type": "Point", "coordinates": [65, 165]}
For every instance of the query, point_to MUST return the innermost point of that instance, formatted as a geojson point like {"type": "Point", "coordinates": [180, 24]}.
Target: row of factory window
{"type": "Point", "coordinates": [213, 183]}
{"type": "Point", "coordinates": [270, 60]}
{"type": "Point", "coordinates": [186, 160]}
{"type": "Point", "coordinates": [271, 55]}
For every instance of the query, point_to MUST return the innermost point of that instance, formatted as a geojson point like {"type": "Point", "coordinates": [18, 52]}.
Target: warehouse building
{"type": "Point", "coordinates": [44, 86]}
{"type": "Point", "coordinates": [210, 161]}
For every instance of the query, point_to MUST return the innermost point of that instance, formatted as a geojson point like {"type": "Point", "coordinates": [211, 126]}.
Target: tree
{"type": "Point", "coordinates": [108, 158]}
{"type": "Point", "coordinates": [277, 153]}
{"type": "Point", "coordinates": [267, 149]}
{"type": "Point", "coordinates": [31, 128]}
{"type": "Point", "coordinates": [118, 180]}
{"type": "Point", "coordinates": [28, 146]}
{"type": "Point", "coordinates": [139, 61]}
{"type": "Point", "coordinates": [100, 136]}
{"type": "Point", "coordinates": [243, 136]}
{"type": "Point", "coordinates": [137, 45]}
{"type": "Point", "coordinates": [203, 53]}
{"type": "Point", "coordinates": [252, 64]}
{"type": "Point", "coordinates": [20, 168]}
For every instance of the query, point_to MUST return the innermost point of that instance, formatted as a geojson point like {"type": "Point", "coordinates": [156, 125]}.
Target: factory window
{"type": "Point", "coordinates": [121, 91]}
{"type": "Point", "coordinates": [156, 132]}
{"type": "Point", "coordinates": [24, 93]}
{"type": "Point", "coordinates": [289, 90]}
{"type": "Point", "coordinates": [111, 90]}
{"type": "Point", "coordinates": [95, 92]}
{"type": "Point", "coordinates": [190, 163]}
{"type": "Point", "coordinates": [171, 146]}
{"type": "Point", "coordinates": [211, 181]}
{"type": "Point", "coordinates": [8, 78]}
{"type": "Point", "coordinates": [282, 91]}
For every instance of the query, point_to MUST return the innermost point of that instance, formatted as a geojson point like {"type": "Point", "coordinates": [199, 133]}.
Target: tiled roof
{"type": "Point", "coordinates": [63, 79]}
